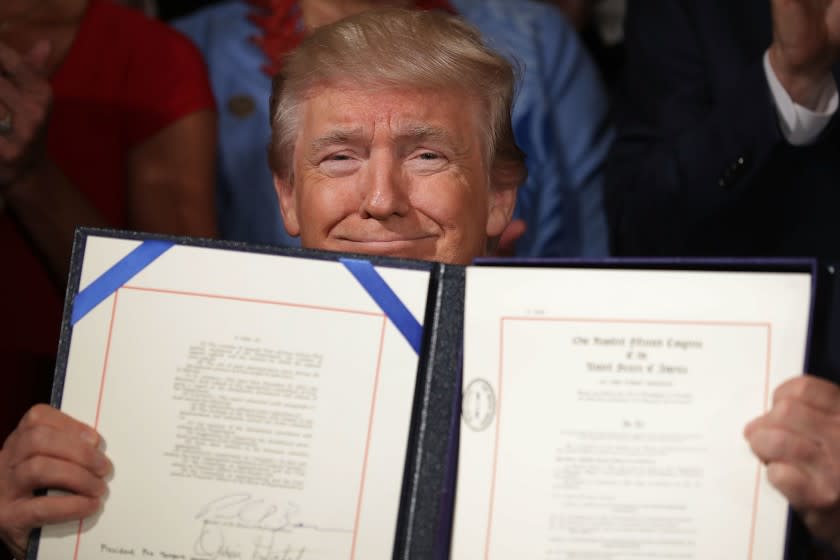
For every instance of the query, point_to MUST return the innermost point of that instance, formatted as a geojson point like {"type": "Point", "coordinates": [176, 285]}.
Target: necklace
{"type": "Point", "coordinates": [281, 29]}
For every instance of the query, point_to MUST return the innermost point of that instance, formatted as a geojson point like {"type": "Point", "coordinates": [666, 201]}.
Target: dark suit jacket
{"type": "Point", "coordinates": [700, 166]}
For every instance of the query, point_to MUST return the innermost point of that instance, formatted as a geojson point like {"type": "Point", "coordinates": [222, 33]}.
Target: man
{"type": "Point", "coordinates": [559, 116]}
{"type": "Point", "coordinates": [426, 169]}
{"type": "Point", "coordinates": [391, 135]}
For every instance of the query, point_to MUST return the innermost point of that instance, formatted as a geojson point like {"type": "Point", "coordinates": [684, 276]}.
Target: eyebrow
{"type": "Point", "coordinates": [422, 132]}
{"type": "Point", "coordinates": [414, 133]}
{"type": "Point", "coordinates": [335, 137]}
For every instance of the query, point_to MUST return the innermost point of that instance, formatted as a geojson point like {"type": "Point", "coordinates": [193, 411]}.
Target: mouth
{"type": "Point", "coordinates": [391, 245]}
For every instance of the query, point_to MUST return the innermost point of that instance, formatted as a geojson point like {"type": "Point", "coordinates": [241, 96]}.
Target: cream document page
{"type": "Point", "coordinates": [603, 412]}
{"type": "Point", "coordinates": [254, 406]}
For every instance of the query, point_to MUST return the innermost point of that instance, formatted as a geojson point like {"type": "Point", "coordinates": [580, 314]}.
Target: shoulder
{"type": "Point", "coordinates": [143, 65]}
{"type": "Point", "coordinates": [128, 34]}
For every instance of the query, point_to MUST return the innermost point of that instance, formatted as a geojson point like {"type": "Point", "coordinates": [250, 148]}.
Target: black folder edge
{"type": "Point", "coordinates": [426, 508]}
{"type": "Point", "coordinates": [798, 541]}
{"type": "Point", "coordinates": [423, 384]}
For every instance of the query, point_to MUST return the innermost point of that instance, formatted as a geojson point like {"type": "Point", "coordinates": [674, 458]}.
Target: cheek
{"type": "Point", "coordinates": [457, 208]}
{"type": "Point", "coordinates": [323, 204]}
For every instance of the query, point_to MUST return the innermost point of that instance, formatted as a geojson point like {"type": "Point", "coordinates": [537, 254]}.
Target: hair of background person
{"type": "Point", "coordinates": [396, 48]}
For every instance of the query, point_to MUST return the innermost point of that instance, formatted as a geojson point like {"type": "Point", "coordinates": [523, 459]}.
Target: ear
{"type": "Point", "coordinates": [504, 183]}
{"type": "Point", "coordinates": [288, 205]}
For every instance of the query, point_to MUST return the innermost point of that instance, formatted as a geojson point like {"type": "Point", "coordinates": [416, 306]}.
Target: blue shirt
{"type": "Point", "coordinates": [559, 116]}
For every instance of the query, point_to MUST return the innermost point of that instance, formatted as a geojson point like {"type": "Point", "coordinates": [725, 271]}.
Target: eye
{"type": "Point", "coordinates": [426, 161]}
{"type": "Point", "coordinates": [339, 164]}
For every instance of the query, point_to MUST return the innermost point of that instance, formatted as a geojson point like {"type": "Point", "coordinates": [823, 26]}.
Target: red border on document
{"type": "Point", "coordinates": [266, 302]}
{"type": "Point", "coordinates": [768, 326]}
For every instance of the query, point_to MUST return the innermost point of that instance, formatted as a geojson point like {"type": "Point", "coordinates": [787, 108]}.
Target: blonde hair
{"type": "Point", "coordinates": [398, 48]}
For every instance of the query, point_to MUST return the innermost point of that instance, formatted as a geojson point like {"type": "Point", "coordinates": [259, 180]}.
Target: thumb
{"type": "Point", "coordinates": [39, 54]}
{"type": "Point", "coordinates": [832, 22]}
{"type": "Point", "coordinates": [507, 241]}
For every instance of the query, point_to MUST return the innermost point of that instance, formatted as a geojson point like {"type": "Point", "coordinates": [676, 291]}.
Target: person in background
{"type": "Point", "coordinates": [727, 143]}
{"type": "Point", "coordinates": [560, 113]}
{"type": "Point", "coordinates": [106, 119]}
{"type": "Point", "coordinates": [600, 24]}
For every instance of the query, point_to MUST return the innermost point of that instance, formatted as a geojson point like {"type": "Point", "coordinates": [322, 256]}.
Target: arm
{"type": "Point", "coordinates": [171, 178]}
{"type": "Point", "coordinates": [41, 199]}
{"type": "Point", "coordinates": [170, 175]}
{"type": "Point", "coordinates": [48, 450]}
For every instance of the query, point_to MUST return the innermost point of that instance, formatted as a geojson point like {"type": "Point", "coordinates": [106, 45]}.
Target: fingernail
{"type": "Point", "coordinates": [103, 465]}
{"type": "Point", "coordinates": [90, 437]}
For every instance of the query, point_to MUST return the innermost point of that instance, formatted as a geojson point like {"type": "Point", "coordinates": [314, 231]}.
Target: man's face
{"type": "Point", "coordinates": [393, 172]}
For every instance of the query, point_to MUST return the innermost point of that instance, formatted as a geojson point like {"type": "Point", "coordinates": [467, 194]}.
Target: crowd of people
{"type": "Point", "coordinates": [694, 128]}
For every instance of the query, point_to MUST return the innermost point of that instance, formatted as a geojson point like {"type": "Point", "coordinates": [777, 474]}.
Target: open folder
{"type": "Point", "coordinates": [264, 403]}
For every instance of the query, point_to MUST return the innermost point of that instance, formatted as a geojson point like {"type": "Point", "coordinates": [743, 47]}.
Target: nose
{"type": "Point", "coordinates": [384, 190]}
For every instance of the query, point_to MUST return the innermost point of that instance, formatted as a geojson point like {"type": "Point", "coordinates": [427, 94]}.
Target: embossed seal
{"type": "Point", "coordinates": [479, 405]}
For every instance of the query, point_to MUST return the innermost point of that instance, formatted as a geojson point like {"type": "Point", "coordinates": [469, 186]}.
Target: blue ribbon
{"type": "Point", "coordinates": [387, 300]}
{"type": "Point", "coordinates": [114, 278]}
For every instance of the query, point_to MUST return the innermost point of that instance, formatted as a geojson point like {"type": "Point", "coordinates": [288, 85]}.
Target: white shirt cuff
{"type": "Point", "coordinates": [800, 125]}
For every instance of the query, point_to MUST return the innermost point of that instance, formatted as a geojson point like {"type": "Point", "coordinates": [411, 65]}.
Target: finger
{"type": "Point", "coordinates": [45, 510]}
{"type": "Point", "coordinates": [832, 20]}
{"type": "Point", "coordinates": [38, 56]}
{"type": "Point", "coordinates": [18, 70]}
{"type": "Point", "coordinates": [48, 472]}
{"type": "Point", "coordinates": [42, 414]}
{"type": "Point", "coordinates": [800, 488]}
{"type": "Point", "coordinates": [799, 416]}
{"type": "Point", "coordinates": [10, 149]}
{"type": "Point", "coordinates": [11, 63]}
{"type": "Point", "coordinates": [10, 95]}
{"type": "Point", "coordinates": [48, 441]}
{"type": "Point", "coordinates": [818, 393]}
{"type": "Point", "coordinates": [511, 234]}
{"type": "Point", "coordinates": [776, 445]}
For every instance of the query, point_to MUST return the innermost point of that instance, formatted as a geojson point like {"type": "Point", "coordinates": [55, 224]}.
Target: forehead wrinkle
{"type": "Point", "coordinates": [418, 133]}
{"type": "Point", "coordinates": [335, 137]}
